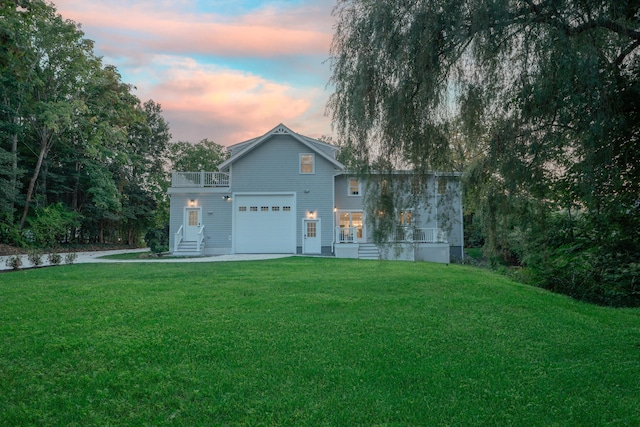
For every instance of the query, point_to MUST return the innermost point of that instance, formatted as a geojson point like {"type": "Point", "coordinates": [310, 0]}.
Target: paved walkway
{"type": "Point", "coordinates": [94, 257]}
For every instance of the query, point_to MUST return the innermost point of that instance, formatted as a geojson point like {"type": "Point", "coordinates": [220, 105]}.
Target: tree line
{"type": "Point", "coordinates": [82, 159]}
{"type": "Point", "coordinates": [537, 101]}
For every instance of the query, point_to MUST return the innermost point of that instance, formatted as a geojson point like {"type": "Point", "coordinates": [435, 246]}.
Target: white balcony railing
{"type": "Point", "coordinates": [346, 234]}
{"type": "Point", "coordinates": [199, 179]}
{"type": "Point", "coordinates": [420, 235]}
{"type": "Point", "coordinates": [402, 234]}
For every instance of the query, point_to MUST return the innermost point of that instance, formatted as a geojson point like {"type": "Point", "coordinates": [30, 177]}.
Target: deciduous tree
{"type": "Point", "coordinates": [546, 91]}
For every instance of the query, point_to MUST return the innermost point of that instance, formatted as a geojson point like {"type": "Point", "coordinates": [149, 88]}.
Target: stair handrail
{"type": "Point", "coordinates": [177, 239]}
{"type": "Point", "coordinates": [200, 238]}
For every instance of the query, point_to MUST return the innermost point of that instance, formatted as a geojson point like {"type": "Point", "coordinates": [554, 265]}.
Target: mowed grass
{"type": "Point", "coordinates": [308, 341]}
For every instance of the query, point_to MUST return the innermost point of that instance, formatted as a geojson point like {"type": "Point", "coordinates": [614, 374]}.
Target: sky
{"type": "Point", "coordinates": [226, 70]}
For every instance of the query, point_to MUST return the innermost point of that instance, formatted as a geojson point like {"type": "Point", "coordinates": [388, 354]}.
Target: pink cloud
{"type": "Point", "coordinates": [229, 106]}
{"type": "Point", "coordinates": [263, 35]}
{"type": "Point", "coordinates": [154, 44]}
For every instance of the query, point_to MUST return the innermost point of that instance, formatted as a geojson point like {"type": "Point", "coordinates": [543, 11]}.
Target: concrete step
{"type": "Point", "coordinates": [368, 251]}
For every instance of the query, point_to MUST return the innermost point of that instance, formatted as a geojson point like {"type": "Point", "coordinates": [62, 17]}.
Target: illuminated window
{"type": "Point", "coordinates": [193, 218]}
{"type": "Point", "coordinates": [405, 217]}
{"type": "Point", "coordinates": [306, 163]}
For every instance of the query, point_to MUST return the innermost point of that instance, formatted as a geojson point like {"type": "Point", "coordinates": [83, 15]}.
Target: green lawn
{"type": "Point", "coordinates": [308, 341]}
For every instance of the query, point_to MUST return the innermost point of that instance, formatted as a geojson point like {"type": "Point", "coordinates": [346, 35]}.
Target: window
{"type": "Point", "coordinates": [253, 209]}
{"type": "Point", "coordinates": [405, 217]}
{"type": "Point", "coordinates": [242, 208]}
{"type": "Point", "coordinates": [193, 218]}
{"type": "Point", "coordinates": [286, 208]}
{"type": "Point", "coordinates": [354, 187]}
{"type": "Point", "coordinates": [442, 185]}
{"type": "Point", "coordinates": [275, 208]}
{"type": "Point", "coordinates": [351, 219]}
{"type": "Point", "coordinates": [264, 209]}
{"type": "Point", "coordinates": [306, 163]}
{"type": "Point", "coordinates": [312, 230]}
{"type": "Point", "coordinates": [417, 184]}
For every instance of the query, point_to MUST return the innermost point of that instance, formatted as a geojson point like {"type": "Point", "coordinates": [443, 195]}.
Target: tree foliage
{"type": "Point", "coordinates": [73, 137]}
{"type": "Point", "coordinates": [205, 155]}
{"type": "Point", "coordinates": [539, 99]}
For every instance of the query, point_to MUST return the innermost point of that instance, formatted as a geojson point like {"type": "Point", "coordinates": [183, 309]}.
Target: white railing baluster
{"type": "Point", "coordinates": [177, 239]}
{"type": "Point", "coordinates": [199, 179]}
{"type": "Point", "coordinates": [200, 238]}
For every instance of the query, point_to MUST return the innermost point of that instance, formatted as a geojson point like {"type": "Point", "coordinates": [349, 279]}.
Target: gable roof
{"type": "Point", "coordinates": [327, 151]}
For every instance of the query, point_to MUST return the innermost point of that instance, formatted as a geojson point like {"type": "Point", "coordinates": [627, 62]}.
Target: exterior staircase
{"type": "Point", "coordinates": [368, 251]}
{"type": "Point", "coordinates": [188, 249]}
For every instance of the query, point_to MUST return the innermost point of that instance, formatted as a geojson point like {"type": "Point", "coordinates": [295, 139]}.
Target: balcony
{"type": "Point", "coordinates": [200, 179]}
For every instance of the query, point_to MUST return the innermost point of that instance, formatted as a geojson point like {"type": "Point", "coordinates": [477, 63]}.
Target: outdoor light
{"type": "Point", "coordinates": [192, 202]}
{"type": "Point", "coordinates": [227, 198]}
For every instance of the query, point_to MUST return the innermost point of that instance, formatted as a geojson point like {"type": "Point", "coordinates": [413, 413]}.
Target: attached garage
{"type": "Point", "coordinates": [264, 223]}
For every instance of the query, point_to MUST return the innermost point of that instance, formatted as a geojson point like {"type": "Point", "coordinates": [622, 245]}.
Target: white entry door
{"type": "Point", "coordinates": [191, 224]}
{"type": "Point", "coordinates": [311, 243]}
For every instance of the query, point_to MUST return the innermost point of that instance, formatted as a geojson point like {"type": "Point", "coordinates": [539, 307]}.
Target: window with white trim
{"type": "Point", "coordinates": [354, 187]}
{"type": "Point", "coordinates": [307, 163]}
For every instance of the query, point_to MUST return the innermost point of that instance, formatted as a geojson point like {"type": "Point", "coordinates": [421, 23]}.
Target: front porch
{"type": "Point", "coordinates": [406, 243]}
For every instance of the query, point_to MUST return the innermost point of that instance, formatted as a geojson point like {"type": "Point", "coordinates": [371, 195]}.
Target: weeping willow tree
{"type": "Point", "coordinates": [539, 101]}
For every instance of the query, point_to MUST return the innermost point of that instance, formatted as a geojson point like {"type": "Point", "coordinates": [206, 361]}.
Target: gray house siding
{"type": "Point", "coordinates": [265, 178]}
{"type": "Point", "coordinates": [343, 200]}
{"type": "Point", "coordinates": [274, 166]}
{"type": "Point", "coordinates": [215, 216]}
{"type": "Point", "coordinates": [430, 208]}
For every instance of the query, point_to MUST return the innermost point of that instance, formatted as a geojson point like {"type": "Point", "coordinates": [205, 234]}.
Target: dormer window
{"type": "Point", "coordinates": [306, 163]}
{"type": "Point", "coordinates": [354, 187]}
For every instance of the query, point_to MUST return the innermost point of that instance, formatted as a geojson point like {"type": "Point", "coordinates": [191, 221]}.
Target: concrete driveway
{"type": "Point", "coordinates": [94, 257]}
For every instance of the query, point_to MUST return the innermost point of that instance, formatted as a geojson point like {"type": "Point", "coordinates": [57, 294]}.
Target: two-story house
{"type": "Point", "coordinates": [283, 192]}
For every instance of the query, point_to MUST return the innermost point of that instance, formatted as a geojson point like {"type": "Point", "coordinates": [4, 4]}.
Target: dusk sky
{"type": "Point", "coordinates": [226, 70]}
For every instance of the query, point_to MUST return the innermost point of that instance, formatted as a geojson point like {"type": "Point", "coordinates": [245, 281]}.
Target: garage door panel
{"type": "Point", "coordinates": [264, 224]}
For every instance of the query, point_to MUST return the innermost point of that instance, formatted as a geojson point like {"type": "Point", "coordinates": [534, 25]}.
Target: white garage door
{"type": "Point", "coordinates": [264, 224]}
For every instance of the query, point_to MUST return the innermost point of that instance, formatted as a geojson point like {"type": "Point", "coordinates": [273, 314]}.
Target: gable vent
{"type": "Point", "coordinates": [281, 130]}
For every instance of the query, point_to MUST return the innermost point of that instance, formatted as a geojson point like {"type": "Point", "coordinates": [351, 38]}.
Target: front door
{"type": "Point", "coordinates": [311, 236]}
{"type": "Point", "coordinates": [191, 224]}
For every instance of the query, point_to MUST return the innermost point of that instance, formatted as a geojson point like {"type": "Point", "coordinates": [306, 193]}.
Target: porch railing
{"type": "Point", "coordinates": [199, 179]}
{"type": "Point", "coordinates": [200, 239]}
{"type": "Point", "coordinates": [177, 239]}
{"type": "Point", "coordinates": [402, 234]}
{"type": "Point", "coordinates": [420, 235]}
{"type": "Point", "coordinates": [346, 234]}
